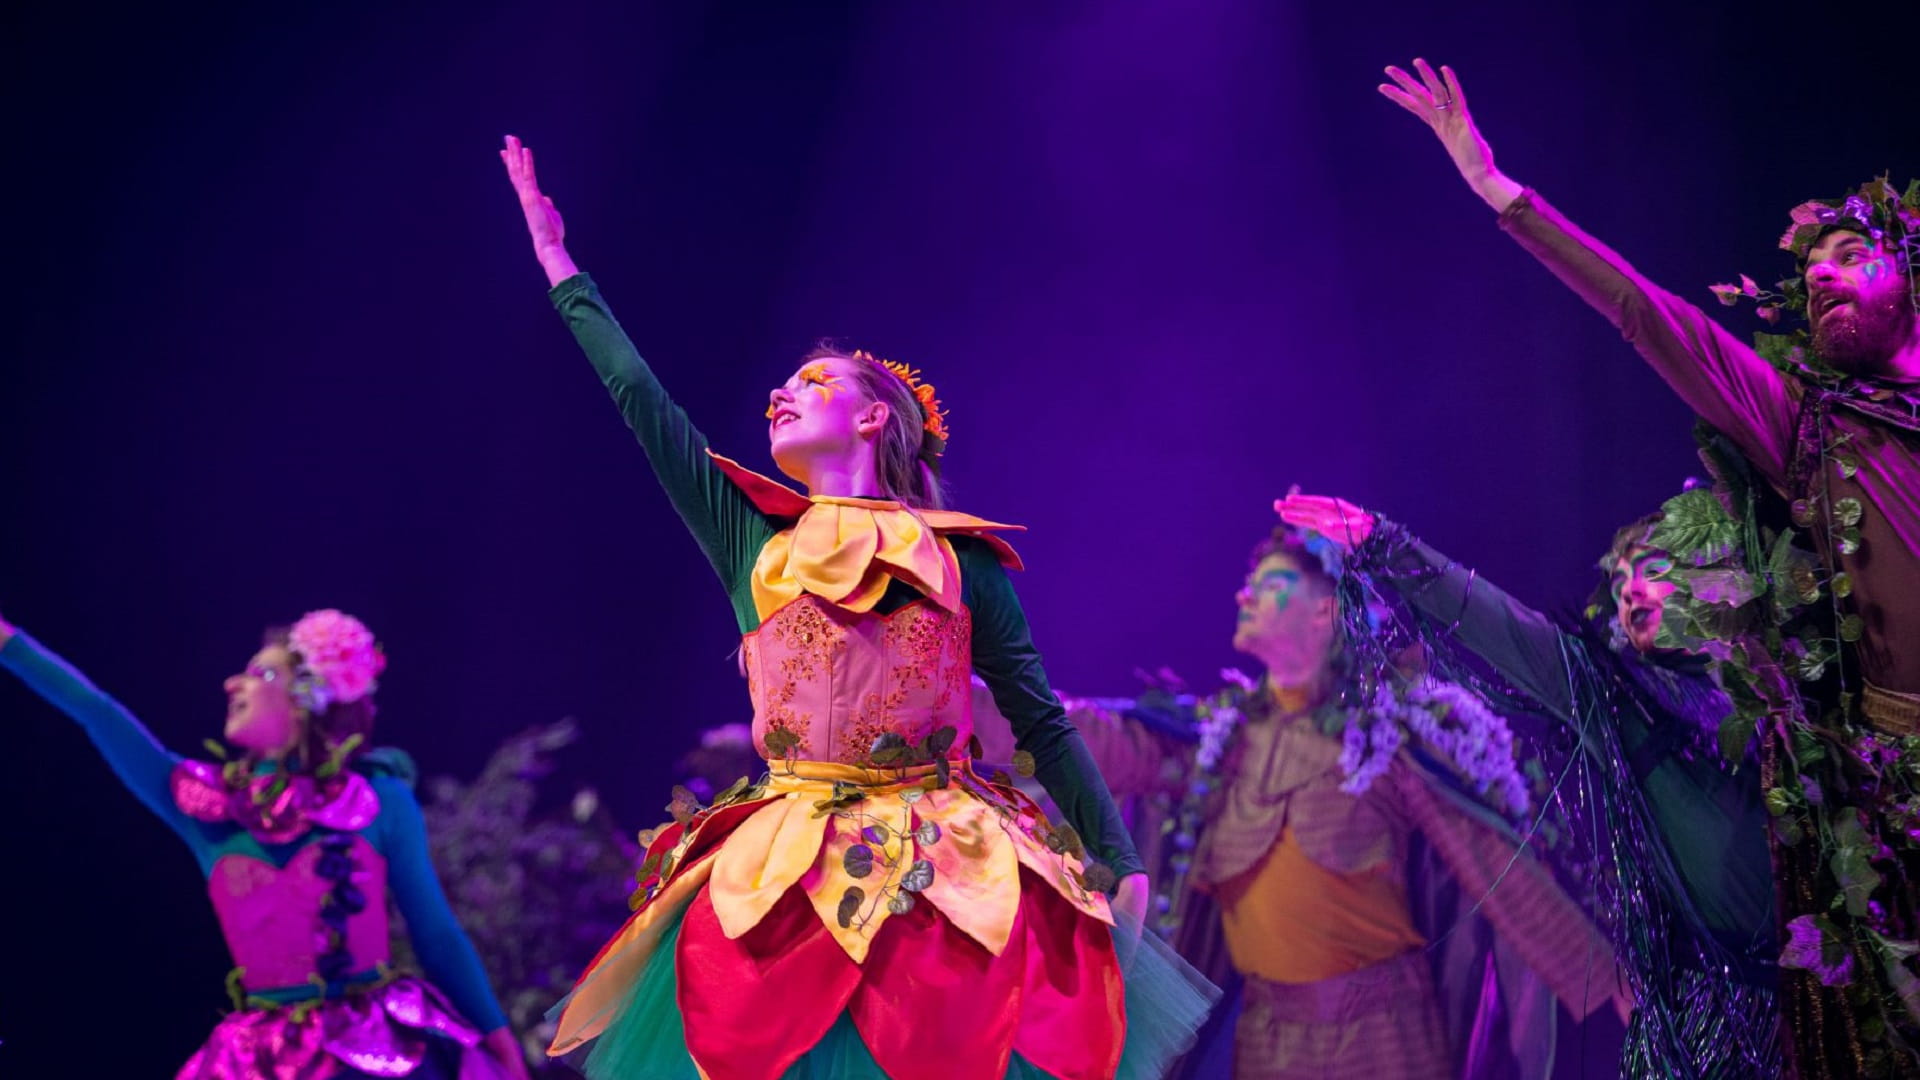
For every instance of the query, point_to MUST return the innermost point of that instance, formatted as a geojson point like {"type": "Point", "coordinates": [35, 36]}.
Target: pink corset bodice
{"type": "Point", "coordinates": [838, 680]}
{"type": "Point", "coordinates": [271, 915]}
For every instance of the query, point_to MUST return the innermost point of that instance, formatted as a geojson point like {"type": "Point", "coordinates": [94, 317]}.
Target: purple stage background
{"type": "Point", "coordinates": [276, 341]}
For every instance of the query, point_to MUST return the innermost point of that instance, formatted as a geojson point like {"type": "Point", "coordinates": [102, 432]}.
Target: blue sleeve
{"type": "Point", "coordinates": [445, 951]}
{"type": "Point", "coordinates": [1005, 657]}
{"type": "Point", "coordinates": [140, 762]}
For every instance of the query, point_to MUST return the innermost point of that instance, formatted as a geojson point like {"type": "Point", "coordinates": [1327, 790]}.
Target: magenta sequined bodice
{"type": "Point", "coordinates": [320, 917]}
{"type": "Point", "coordinates": [274, 918]}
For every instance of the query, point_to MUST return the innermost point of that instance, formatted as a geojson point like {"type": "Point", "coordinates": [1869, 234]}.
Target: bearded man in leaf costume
{"type": "Point", "coordinates": [1829, 418]}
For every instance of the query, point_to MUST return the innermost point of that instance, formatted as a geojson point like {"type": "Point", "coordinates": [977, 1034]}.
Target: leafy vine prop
{"type": "Point", "coordinates": [1844, 798]}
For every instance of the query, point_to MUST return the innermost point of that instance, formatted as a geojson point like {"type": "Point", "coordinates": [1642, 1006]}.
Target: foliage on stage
{"type": "Point", "coordinates": [538, 884]}
{"type": "Point", "coordinates": [1844, 798]}
{"type": "Point", "coordinates": [1739, 594]}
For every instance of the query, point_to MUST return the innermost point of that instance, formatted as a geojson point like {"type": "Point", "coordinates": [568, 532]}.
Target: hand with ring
{"type": "Point", "coordinates": [1436, 98]}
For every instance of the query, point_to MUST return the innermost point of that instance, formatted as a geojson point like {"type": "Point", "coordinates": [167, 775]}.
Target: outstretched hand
{"type": "Point", "coordinates": [1342, 523]}
{"type": "Point", "coordinates": [544, 225]}
{"type": "Point", "coordinates": [1130, 900]}
{"type": "Point", "coordinates": [1436, 98]}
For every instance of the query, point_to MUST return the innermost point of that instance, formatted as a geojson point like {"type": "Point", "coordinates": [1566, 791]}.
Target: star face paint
{"type": "Point", "coordinates": [821, 379]}
{"type": "Point", "coordinates": [816, 412]}
{"type": "Point", "coordinates": [817, 377]}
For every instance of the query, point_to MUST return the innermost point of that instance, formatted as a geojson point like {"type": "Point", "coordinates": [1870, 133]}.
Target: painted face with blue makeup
{"type": "Point", "coordinates": [1640, 586]}
{"type": "Point", "coordinates": [1286, 618]}
{"type": "Point", "coordinates": [1859, 303]}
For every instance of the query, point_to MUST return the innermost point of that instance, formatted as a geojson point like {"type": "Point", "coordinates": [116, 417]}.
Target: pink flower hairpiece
{"type": "Point", "coordinates": [338, 660]}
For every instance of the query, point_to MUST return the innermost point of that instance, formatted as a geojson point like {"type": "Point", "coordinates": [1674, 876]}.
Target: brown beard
{"type": "Point", "coordinates": [1864, 339]}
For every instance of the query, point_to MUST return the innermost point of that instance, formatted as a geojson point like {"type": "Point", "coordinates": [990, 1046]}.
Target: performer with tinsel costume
{"type": "Point", "coordinates": [871, 907]}
{"type": "Point", "coordinates": [1829, 417]}
{"type": "Point", "coordinates": [1689, 899]}
{"type": "Point", "coordinates": [1359, 836]}
{"type": "Point", "coordinates": [303, 834]}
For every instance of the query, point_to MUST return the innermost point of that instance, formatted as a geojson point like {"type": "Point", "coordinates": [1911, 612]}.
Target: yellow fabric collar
{"type": "Point", "coordinates": [848, 550]}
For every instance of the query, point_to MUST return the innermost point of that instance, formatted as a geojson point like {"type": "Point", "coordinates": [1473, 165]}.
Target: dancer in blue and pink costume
{"type": "Point", "coordinates": [302, 836]}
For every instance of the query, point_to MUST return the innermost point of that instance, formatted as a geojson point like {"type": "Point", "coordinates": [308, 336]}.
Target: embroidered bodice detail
{"type": "Point", "coordinates": [837, 680]}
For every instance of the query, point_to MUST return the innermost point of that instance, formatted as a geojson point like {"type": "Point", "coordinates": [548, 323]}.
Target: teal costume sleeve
{"type": "Point", "coordinates": [133, 754]}
{"type": "Point", "coordinates": [446, 953]}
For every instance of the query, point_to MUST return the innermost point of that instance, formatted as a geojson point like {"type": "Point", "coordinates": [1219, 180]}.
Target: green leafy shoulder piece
{"type": "Point", "coordinates": [1739, 589]}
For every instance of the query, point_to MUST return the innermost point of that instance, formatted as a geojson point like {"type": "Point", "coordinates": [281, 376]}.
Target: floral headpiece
{"type": "Point", "coordinates": [1875, 209]}
{"type": "Point", "coordinates": [936, 417]}
{"type": "Point", "coordinates": [337, 660]}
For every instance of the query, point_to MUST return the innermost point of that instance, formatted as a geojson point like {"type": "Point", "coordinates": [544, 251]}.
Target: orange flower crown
{"type": "Point", "coordinates": [936, 417]}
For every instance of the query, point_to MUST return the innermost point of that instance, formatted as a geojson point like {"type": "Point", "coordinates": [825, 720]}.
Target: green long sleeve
{"type": "Point", "coordinates": [1712, 820]}
{"type": "Point", "coordinates": [1004, 656]}
{"type": "Point", "coordinates": [724, 522]}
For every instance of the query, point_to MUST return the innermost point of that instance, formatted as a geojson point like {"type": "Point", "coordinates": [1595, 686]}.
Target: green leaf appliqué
{"type": "Point", "coordinates": [850, 902]}
{"type": "Point", "coordinates": [858, 861]}
{"type": "Point", "coordinates": [918, 876]}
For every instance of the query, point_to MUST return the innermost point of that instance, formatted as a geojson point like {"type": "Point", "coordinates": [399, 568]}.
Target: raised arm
{"type": "Point", "coordinates": [445, 951]}
{"type": "Point", "coordinates": [140, 762]}
{"type": "Point", "coordinates": [1004, 655]}
{"type": "Point", "coordinates": [1718, 376]}
{"type": "Point", "coordinates": [729, 529]}
{"type": "Point", "coordinates": [1521, 643]}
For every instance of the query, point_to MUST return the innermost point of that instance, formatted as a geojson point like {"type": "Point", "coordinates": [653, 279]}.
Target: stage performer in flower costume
{"type": "Point", "coordinates": [1360, 855]}
{"type": "Point", "coordinates": [1829, 418]}
{"type": "Point", "coordinates": [1689, 897]}
{"type": "Point", "coordinates": [871, 907]}
{"type": "Point", "coordinates": [303, 834]}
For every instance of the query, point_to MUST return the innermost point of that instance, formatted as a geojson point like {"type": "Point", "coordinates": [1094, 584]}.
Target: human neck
{"type": "Point", "coordinates": [853, 476]}
{"type": "Point", "coordinates": [1300, 687]}
{"type": "Point", "coordinates": [275, 756]}
{"type": "Point", "coordinates": [273, 761]}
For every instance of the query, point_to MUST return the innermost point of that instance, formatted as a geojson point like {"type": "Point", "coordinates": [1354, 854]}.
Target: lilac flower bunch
{"type": "Point", "coordinates": [1450, 721]}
